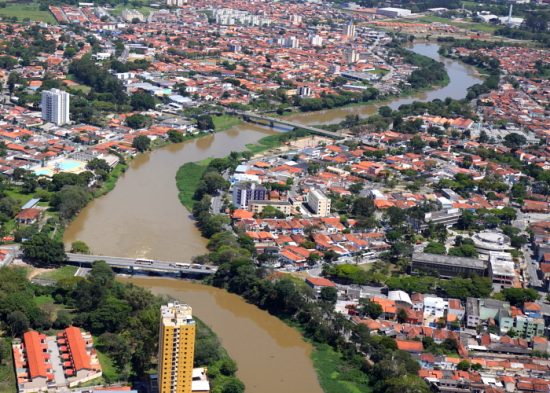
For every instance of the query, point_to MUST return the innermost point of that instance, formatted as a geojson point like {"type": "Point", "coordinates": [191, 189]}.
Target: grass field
{"type": "Point", "coordinates": [7, 375]}
{"type": "Point", "coordinates": [334, 374]}
{"type": "Point", "coordinates": [224, 122]}
{"type": "Point", "coordinates": [59, 273]}
{"type": "Point", "coordinates": [110, 373]}
{"type": "Point", "coordinates": [266, 143]}
{"type": "Point", "coordinates": [30, 10]}
{"type": "Point", "coordinates": [484, 27]}
{"type": "Point", "coordinates": [187, 181]}
{"type": "Point", "coordinates": [118, 10]}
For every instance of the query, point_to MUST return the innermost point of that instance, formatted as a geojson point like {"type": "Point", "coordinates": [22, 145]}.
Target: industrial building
{"type": "Point", "coordinates": [447, 266]}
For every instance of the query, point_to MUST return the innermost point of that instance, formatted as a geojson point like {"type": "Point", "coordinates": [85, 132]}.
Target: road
{"type": "Point", "coordinates": [531, 266]}
{"type": "Point", "coordinates": [151, 265]}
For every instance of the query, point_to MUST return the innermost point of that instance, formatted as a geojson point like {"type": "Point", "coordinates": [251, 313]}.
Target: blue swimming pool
{"type": "Point", "coordinates": [69, 165]}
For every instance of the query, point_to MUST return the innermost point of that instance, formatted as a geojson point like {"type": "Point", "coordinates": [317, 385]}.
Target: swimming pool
{"type": "Point", "coordinates": [69, 165]}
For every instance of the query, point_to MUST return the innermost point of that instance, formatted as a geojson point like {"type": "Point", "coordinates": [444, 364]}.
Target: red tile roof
{"type": "Point", "coordinates": [81, 359]}
{"type": "Point", "coordinates": [35, 354]}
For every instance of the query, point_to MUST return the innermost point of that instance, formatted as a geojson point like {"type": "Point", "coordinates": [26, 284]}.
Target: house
{"type": "Point", "coordinates": [410, 346]}
{"type": "Point", "coordinates": [28, 216]}
{"type": "Point", "coordinates": [318, 283]}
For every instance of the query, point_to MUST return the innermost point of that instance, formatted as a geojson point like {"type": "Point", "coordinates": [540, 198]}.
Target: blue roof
{"type": "Point", "coordinates": [33, 202]}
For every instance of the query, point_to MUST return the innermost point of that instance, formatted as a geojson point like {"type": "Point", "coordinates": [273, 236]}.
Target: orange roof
{"type": "Point", "coordinates": [409, 346]}
{"type": "Point", "coordinates": [320, 282]}
{"type": "Point", "coordinates": [240, 214]}
{"type": "Point", "coordinates": [81, 359]}
{"type": "Point", "coordinates": [35, 354]}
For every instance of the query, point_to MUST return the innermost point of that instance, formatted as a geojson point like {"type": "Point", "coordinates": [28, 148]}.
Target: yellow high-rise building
{"type": "Point", "coordinates": [176, 348]}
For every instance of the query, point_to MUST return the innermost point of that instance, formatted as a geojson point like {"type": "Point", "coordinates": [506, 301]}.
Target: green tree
{"type": "Point", "coordinates": [70, 200]}
{"type": "Point", "coordinates": [514, 140]}
{"type": "Point", "coordinates": [463, 365]}
{"type": "Point", "coordinates": [18, 323]}
{"type": "Point", "coordinates": [175, 136]}
{"type": "Point", "coordinates": [233, 386]}
{"type": "Point", "coordinates": [402, 315]}
{"type": "Point", "coordinates": [137, 121]}
{"type": "Point", "coordinates": [142, 101]}
{"type": "Point", "coordinates": [435, 248]}
{"type": "Point", "coordinates": [370, 308]}
{"type": "Point", "coordinates": [43, 251]}
{"type": "Point", "coordinates": [205, 122]}
{"type": "Point", "coordinates": [329, 295]}
{"type": "Point", "coordinates": [141, 143]}
{"type": "Point", "coordinates": [518, 296]}
{"type": "Point", "coordinates": [79, 247]}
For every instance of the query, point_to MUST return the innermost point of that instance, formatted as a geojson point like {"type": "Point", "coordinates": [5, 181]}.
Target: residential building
{"type": "Point", "coordinates": [176, 348]}
{"type": "Point", "coordinates": [501, 269]}
{"type": "Point", "coordinates": [55, 106]}
{"type": "Point", "coordinates": [176, 3]}
{"type": "Point", "coordinates": [447, 266]}
{"type": "Point", "coordinates": [318, 283]}
{"type": "Point", "coordinates": [247, 191]}
{"type": "Point", "coordinates": [319, 203]}
{"type": "Point", "coordinates": [80, 360]}
{"type": "Point", "coordinates": [349, 31]}
{"type": "Point", "coordinates": [528, 327]}
{"type": "Point", "coordinates": [434, 307]}
{"type": "Point", "coordinates": [257, 207]}
{"type": "Point", "coordinates": [32, 365]}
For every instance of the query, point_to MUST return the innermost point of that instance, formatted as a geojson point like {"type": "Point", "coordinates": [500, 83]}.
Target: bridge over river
{"type": "Point", "coordinates": [271, 121]}
{"type": "Point", "coordinates": [146, 265]}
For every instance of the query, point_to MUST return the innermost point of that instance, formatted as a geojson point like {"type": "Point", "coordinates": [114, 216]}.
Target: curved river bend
{"type": "Point", "coordinates": [142, 217]}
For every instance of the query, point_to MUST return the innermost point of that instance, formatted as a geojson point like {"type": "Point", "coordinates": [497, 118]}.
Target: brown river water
{"type": "Point", "coordinates": [142, 217]}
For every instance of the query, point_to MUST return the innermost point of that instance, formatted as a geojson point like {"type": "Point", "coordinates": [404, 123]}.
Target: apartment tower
{"type": "Point", "coordinates": [176, 348]}
{"type": "Point", "coordinates": [55, 106]}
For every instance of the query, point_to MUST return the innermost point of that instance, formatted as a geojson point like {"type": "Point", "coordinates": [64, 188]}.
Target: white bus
{"type": "Point", "coordinates": [141, 261]}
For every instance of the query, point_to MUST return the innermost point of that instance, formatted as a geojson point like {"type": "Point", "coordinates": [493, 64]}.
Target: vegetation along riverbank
{"type": "Point", "coordinates": [112, 312]}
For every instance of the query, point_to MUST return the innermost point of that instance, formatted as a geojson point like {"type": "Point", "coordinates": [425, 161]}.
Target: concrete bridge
{"type": "Point", "coordinates": [146, 265]}
{"type": "Point", "coordinates": [271, 121]}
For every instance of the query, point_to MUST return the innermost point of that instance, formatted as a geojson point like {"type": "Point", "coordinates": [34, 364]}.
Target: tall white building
{"type": "Point", "coordinates": [319, 202]}
{"type": "Point", "coordinates": [176, 3]}
{"type": "Point", "coordinates": [55, 106]}
{"type": "Point", "coordinates": [349, 31]}
{"type": "Point", "coordinates": [316, 40]}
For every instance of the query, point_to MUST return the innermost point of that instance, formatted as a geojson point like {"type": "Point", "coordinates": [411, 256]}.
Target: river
{"type": "Point", "coordinates": [142, 217]}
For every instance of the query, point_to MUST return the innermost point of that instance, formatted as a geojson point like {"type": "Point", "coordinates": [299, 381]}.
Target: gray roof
{"type": "Point", "coordinates": [449, 260]}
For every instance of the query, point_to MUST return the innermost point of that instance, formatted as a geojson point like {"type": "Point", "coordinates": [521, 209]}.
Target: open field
{"type": "Point", "coordinates": [59, 273]}
{"type": "Point", "coordinates": [29, 10]}
{"type": "Point", "coordinates": [473, 26]}
{"type": "Point", "coordinates": [187, 180]}
{"type": "Point", "coordinates": [334, 374]}
{"type": "Point", "coordinates": [118, 10]}
{"type": "Point", "coordinates": [223, 122]}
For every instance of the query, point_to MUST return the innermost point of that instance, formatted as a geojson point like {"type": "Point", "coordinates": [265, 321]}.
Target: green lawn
{"type": "Point", "coordinates": [59, 273]}
{"type": "Point", "coordinates": [223, 122]}
{"type": "Point", "coordinates": [484, 27]}
{"type": "Point", "coordinates": [7, 374]}
{"type": "Point", "coordinates": [110, 372]}
{"type": "Point", "coordinates": [266, 143]}
{"type": "Point", "coordinates": [31, 11]}
{"type": "Point", "coordinates": [43, 299]}
{"type": "Point", "coordinates": [187, 181]}
{"type": "Point", "coordinates": [118, 10]}
{"type": "Point", "coordinates": [335, 376]}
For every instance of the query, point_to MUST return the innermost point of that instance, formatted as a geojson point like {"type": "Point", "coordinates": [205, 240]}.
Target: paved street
{"type": "Point", "coordinates": [531, 268]}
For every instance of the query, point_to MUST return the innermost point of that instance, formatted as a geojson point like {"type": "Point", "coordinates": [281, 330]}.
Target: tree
{"type": "Point", "coordinates": [205, 122]}
{"type": "Point", "coordinates": [43, 251]}
{"type": "Point", "coordinates": [79, 247]}
{"type": "Point", "coordinates": [141, 143]}
{"type": "Point", "coordinates": [70, 200]}
{"type": "Point", "coordinates": [137, 121]}
{"type": "Point", "coordinates": [401, 315]}
{"type": "Point", "coordinates": [435, 248]}
{"type": "Point", "coordinates": [233, 386]}
{"type": "Point", "coordinates": [463, 365]}
{"type": "Point", "coordinates": [372, 309]}
{"type": "Point", "coordinates": [228, 367]}
{"type": "Point", "coordinates": [329, 295]}
{"type": "Point", "coordinates": [514, 140]}
{"type": "Point", "coordinates": [363, 207]}
{"type": "Point", "coordinates": [518, 296]}
{"type": "Point", "coordinates": [175, 136]}
{"type": "Point", "coordinates": [142, 101]}
{"type": "Point", "coordinates": [96, 164]}
{"type": "Point", "coordinates": [18, 323]}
